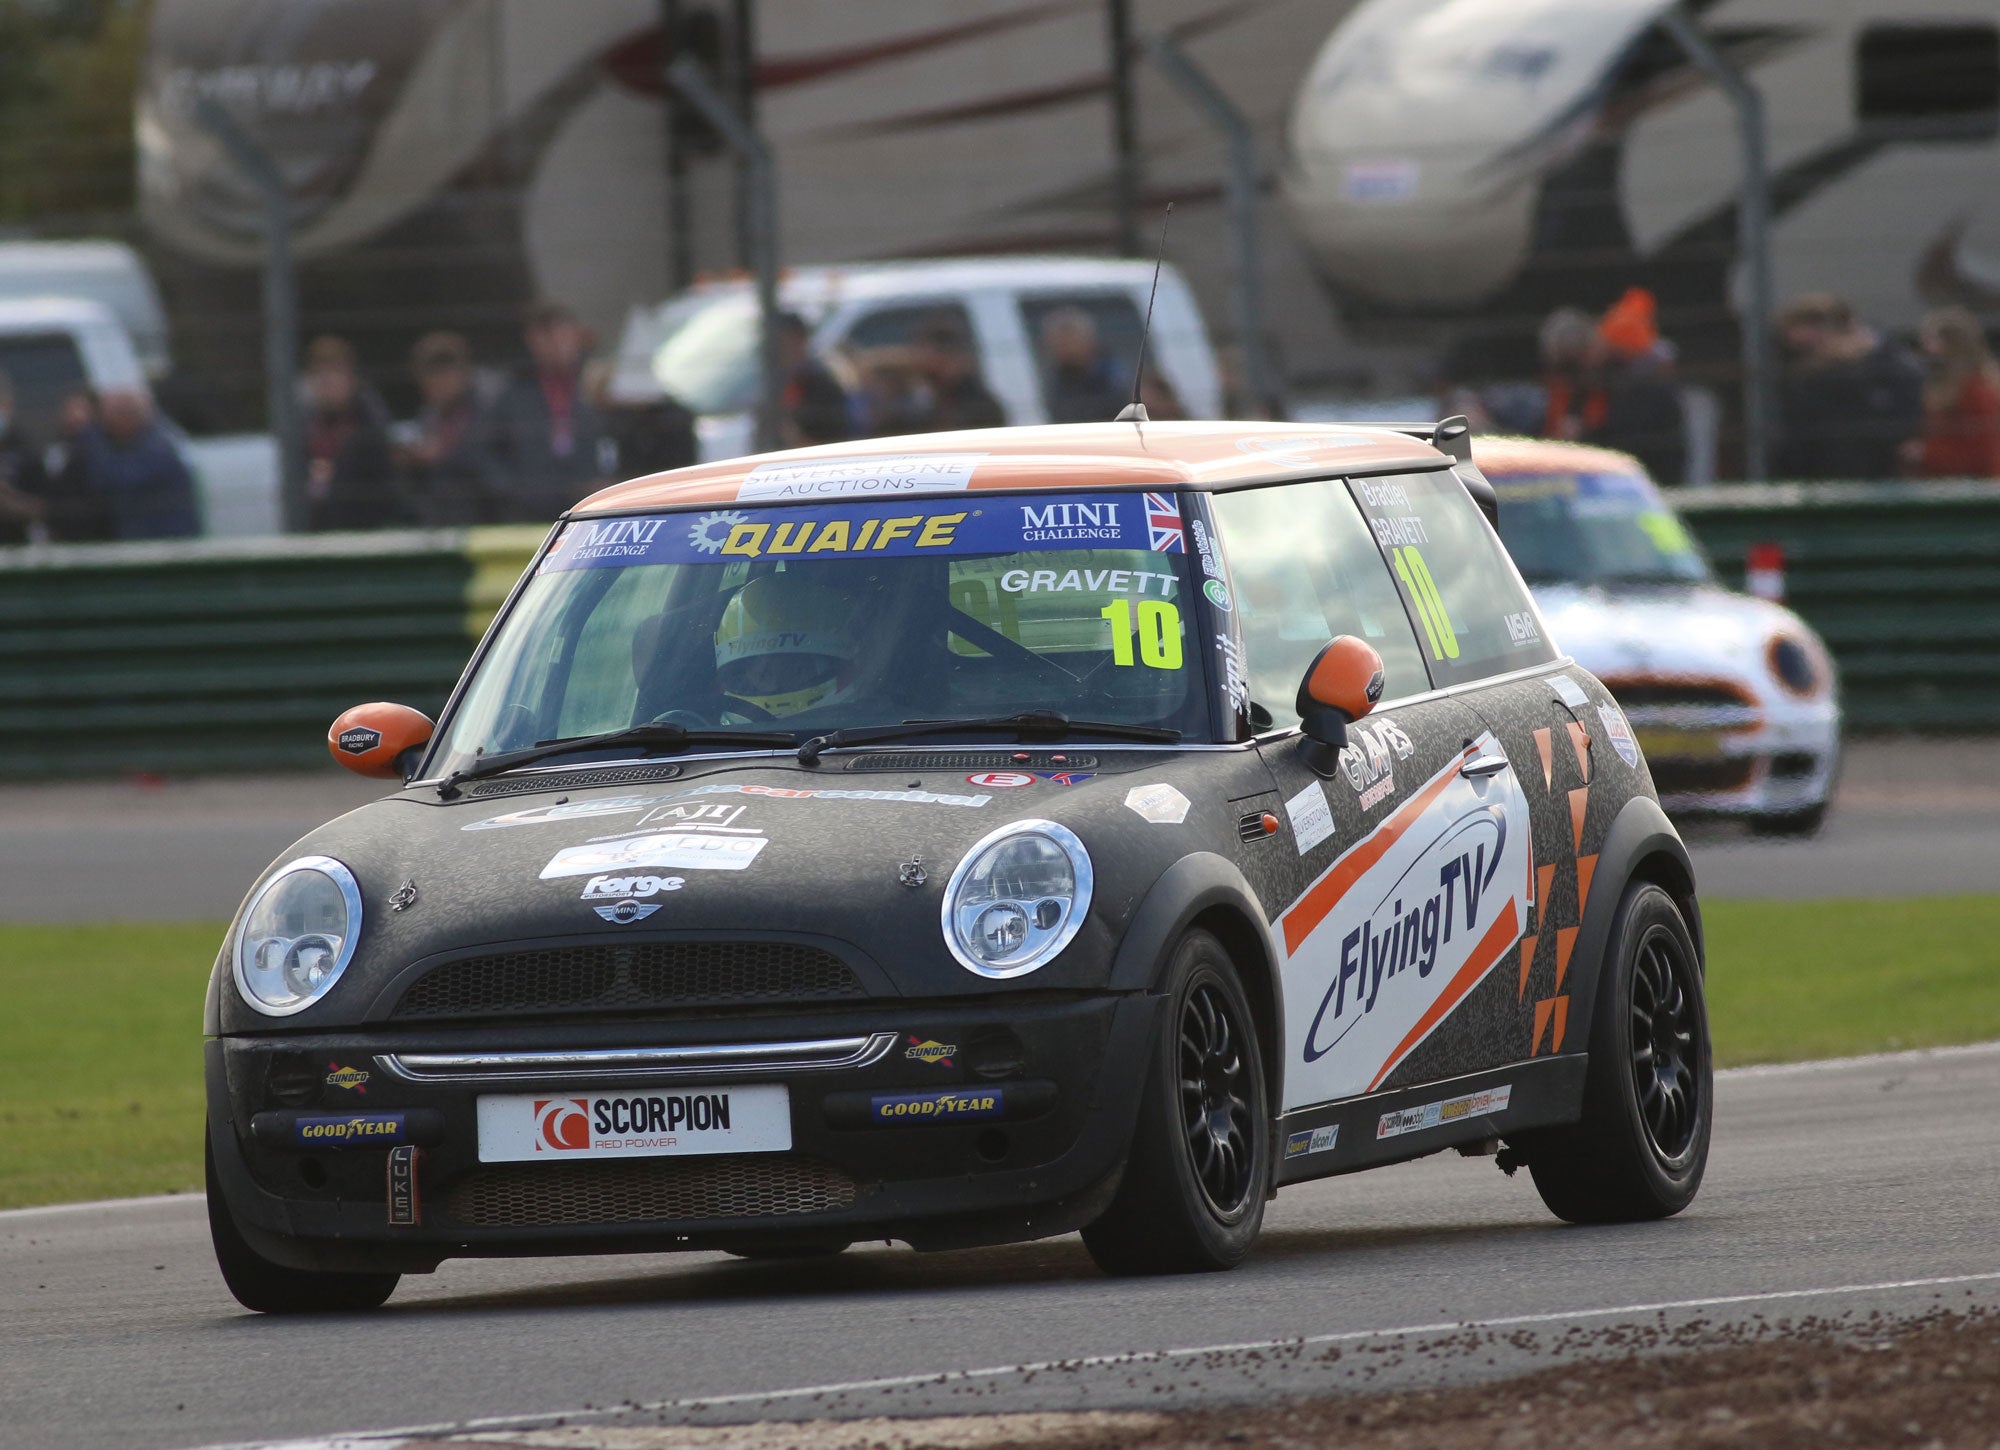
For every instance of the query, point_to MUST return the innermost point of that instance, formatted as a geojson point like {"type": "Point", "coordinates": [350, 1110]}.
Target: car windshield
{"type": "Point", "coordinates": [1594, 528]}
{"type": "Point", "coordinates": [708, 362]}
{"type": "Point", "coordinates": [820, 617]}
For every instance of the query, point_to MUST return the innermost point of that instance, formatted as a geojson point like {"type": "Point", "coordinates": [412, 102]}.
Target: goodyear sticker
{"type": "Point", "coordinates": [356, 1130]}
{"type": "Point", "coordinates": [877, 528]}
{"type": "Point", "coordinates": [900, 1109]}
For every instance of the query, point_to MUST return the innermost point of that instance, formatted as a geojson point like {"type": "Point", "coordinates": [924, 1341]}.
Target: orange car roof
{"type": "Point", "coordinates": [1499, 456]}
{"type": "Point", "coordinates": [1071, 456]}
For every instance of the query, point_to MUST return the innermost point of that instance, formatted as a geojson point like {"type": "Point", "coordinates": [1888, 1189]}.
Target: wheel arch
{"type": "Point", "coordinates": [1206, 892]}
{"type": "Point", "coordinates": [1642, 845]}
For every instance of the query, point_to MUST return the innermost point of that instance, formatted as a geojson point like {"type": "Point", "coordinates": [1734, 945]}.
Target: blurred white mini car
{"type": "Point", "coordinates": [1733, 698]}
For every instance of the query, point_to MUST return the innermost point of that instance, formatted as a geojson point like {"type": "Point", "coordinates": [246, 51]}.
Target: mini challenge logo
{"type": "Point", "coordinates": [562, 1125]}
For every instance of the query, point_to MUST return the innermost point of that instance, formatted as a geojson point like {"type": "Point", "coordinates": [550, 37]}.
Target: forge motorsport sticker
{"type": "Point", "coordinates": [665, 850]}
{"type": "Point", "coordinates": [998, 525]}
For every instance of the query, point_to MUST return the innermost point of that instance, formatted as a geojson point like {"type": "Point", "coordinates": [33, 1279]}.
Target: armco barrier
{"type": "Point", "coordinates": [232, 655]}
{"type": "Point", "coordinates": [1902, 580]}
{"type": "Point", "coordinates": [237, 655]}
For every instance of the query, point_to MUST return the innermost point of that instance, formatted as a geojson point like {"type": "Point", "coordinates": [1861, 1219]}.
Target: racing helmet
{"type": "Point", "coordinates": [785, 644]}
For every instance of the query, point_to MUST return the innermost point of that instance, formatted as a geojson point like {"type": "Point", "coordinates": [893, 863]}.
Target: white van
{"type": "Point", "coordinates": [108, 273]}
{"type": "Point", "coordinates": [701, 347]}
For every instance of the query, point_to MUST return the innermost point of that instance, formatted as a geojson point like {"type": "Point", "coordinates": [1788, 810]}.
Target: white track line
{"type": "Point", "coordinates": [381, 1439]}
{"type": "Point", "coordinates": [1912, 1057]}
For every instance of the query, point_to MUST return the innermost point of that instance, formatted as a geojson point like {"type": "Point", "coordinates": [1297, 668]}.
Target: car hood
{"type": "Point", "coordinates": [723, 848]}
{"type": "Point", "coordinates": [1668, 630]}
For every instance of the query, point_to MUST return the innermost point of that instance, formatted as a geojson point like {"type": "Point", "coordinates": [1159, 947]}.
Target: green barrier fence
{"type": "Point", "coordinates": [1902, 580]}
{"type": "Point", "coordinates": [221, 656]}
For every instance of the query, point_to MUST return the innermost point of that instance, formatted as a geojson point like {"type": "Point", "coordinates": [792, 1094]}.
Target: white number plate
{"type": "Point", "coordinates": [639, 1123]}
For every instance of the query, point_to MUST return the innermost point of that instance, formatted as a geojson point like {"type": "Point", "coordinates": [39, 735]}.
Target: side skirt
{"type": "Point", "coordinates": [1391, 1127]}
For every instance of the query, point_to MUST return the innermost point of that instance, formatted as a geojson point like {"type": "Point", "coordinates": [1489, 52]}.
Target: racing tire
{"type": "Point", "coordinates": [1199, 1170]}
{"type": "Point", "coordinates": [1797, 825]}
{"type": "Point", "coordinates": [269, 1288]}
{"type": "Point", "coordinates": [1641, 1146]}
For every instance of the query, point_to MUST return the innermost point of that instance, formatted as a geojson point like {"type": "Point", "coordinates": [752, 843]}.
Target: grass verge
{"type": "Point", "coordinates": [100, 1026]}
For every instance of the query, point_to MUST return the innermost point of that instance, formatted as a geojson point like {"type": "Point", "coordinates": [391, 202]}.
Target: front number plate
{"type": "Point", "coordinates": [549, 1127]}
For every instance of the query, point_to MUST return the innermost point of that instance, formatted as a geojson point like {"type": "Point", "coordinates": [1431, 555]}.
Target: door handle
{"type": "Point", "coordinates": [1485, 765]}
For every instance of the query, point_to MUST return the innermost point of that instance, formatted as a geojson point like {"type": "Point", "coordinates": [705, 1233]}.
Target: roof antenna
{"type": "Point", "coordinates": [1135, 411]}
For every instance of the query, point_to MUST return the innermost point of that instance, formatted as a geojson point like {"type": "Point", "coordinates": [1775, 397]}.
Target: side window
{"type": "Point", "coordinates": [1305, 570]}
{"type": "Point", "coordinates": [1473, 615]}
{"type": "Point", "coordinates": [898, 326]}
{"type": "Point", "coordinates": [1083, 344]}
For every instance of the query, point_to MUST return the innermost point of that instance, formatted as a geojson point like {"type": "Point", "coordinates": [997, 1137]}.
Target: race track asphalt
{"type": "Point", "coordinates": [1832, 1188]}
{"type": "Point", "coordinates": [1912, 817]}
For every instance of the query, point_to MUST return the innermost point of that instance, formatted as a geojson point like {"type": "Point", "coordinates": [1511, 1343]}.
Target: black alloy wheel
{"type": "Point", "coordinates": [1666, 1043]}
{"type": "Point", "coordinates": [1640, 1147]}
{"type": "Point", "coordinates": [1215, 1104]}
{"type": "Point", "coordinates": [1191, 1197]}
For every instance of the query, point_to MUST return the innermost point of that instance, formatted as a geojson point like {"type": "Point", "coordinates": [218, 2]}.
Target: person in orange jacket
{"type": "Point", "coordinates": [1961, 437]}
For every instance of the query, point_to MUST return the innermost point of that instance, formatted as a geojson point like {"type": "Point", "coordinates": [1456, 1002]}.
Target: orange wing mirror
{"type": "Point", "coordinates": [1342, 684]}
{"type": "Point", "coordinates": [379, 739]}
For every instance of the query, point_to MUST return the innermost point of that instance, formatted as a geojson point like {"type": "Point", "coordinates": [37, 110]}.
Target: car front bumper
{"type": "Point", "coordinates": [1043, 1159]}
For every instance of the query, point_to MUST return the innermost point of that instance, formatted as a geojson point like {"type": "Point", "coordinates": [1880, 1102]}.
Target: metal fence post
{"type": "Point", "coordinates": [1243, 185]}
{"type": "Point", "coordinates": [1753, 224]}
{"type": "Point", "coordinates": [1125, 183]}
{"type": "Point", "coordinates": [689, 79]}
{"type": "Point", "coordinates": [281, 305]}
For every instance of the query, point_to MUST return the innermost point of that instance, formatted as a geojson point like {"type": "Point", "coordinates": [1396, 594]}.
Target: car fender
{"type": "Point", "coordinates": [1641, 844]}
{"type": "Point", "coordinates": [1195, 886]}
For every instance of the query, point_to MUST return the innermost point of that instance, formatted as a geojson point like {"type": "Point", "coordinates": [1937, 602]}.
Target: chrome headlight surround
{"type": "Point", "coordinates": [253, 963]}
{"type": "Point", "coordinates": [1047, 920]}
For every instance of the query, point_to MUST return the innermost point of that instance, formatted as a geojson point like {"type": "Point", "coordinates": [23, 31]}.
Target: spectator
{"type": "Point", "coordinates": [1573, 400]}
{"type": "Point", "coordinates": [1961, 400]}
{"type": "Point", "coordinates": [127, 461]}
{"type": "Point", "coordinates": [75, 514]}
{"type": "Point", "coordinates": [350, 473]}
{"type": "Point", "coordinates": [646, 431]}
{"type": "Point", "coordinates": [1850, 400]}
{"type": "Point", "coordinates": [815, 405]}
{"type": "Point", "coordinates": [545, 440]}
{"type": "Point", "coordinates": [440, 466]}
{"type": "Point", "coordinates": [955, 396]}
{"type": "Point", "coordinates": [24, 485]}
{"type": "Point", "coordinates": [1082, 387]}
{"type": "Point", "coordinates": [1642, 413]}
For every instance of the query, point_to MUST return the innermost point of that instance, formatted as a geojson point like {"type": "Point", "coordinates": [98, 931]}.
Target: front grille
{"type": "Point", "coordinates": [648, 1190]}
{"type": "Point", "coordinates": [971, 760]}
{"type": "Point", "coordinates": [1700, 777]}
{"type": "Point", "coordinates": [630, 976]}
{"type": "Point", "coordinates": [1672, 691]}
{"type": "Point", "coordinates": [576, 779]}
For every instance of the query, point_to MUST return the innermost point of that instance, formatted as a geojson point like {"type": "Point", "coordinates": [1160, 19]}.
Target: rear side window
{"type": "Point", "coordinates": [1305, 570]}
{"type": "Point", "coordinates": [899, 326]}
{"type": "Point", "coordinates": [44, 369]}
{"type": "Point", "coordinates": [1472, 614]}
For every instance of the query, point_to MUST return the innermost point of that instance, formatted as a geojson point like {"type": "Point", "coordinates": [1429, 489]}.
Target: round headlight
{"type": "Point", "coordinates": [298, 935]}
{"type": "Point", "coordinates": [1793, 664]}
{"type": "Point", "coordinates": [1017, 899]}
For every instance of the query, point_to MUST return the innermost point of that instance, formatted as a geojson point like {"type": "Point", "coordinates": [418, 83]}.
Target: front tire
{"type": "Point", "coordinates": [270, 1288]}
{"type": "Point", "coordinates": [1192, 1196]}
{"type": "Point", "coordinates": [1641, 1147]}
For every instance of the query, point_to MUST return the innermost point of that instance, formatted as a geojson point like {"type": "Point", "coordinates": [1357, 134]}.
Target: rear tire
{"type": "Point", "coordinates": [270, 1288]}
{"type": "Point", "coordinates": [1641, 1147]}
{"type": "Point", "coordinates": [1192, 1196]}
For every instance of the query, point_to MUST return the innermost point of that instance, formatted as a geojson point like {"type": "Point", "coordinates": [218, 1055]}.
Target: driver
{"type": "Point", "coordinates": [786, 646]}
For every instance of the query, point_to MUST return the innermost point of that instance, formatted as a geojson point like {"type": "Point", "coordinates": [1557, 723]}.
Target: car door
{"type": "Point", "coordinates": [1483, 636]}
{"type": "Point", "coordinates": [1408, 880]}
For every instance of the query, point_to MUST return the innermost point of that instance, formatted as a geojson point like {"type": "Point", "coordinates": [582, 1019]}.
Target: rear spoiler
{"type": "Point", "coordinates": [1453, 437]}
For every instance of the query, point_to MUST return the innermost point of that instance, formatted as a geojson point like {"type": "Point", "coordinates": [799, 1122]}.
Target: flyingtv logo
{"type": "Point", "coordinates": [562, 1125]}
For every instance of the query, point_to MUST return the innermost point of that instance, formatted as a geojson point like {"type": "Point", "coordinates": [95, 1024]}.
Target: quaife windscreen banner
{"type": "Point", "coordinates": [1012, 524]}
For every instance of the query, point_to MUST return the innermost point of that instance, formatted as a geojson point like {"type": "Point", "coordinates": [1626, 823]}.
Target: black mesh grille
{"type": "Point", "coordinates": [630, 976]}
{"type": "Point", "coordinates": [1708, 694]}
{"type": "Point", "coordinates": [648, 1190]}
{"type": "Point", "coordinates": [1690, 777]}
{"type": "Point", "coordinates": [576, 779]}
{"type": "Point", "coordinates": [974, 760]}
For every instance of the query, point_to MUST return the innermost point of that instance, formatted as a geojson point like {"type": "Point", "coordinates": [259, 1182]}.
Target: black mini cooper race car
{"type": "Point", "coordinates": [967, 839]}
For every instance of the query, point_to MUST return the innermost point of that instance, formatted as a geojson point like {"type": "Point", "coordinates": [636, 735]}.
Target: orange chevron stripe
{"type": "Point", "coordinates": [1586, 867]}
{"type": "Point", "coordinates": [1579, 740]}
{"type": "Point", "coordinates": [1527, 963]}
{"type": "Point", "coordinates": [1542, 1010]}
{"type": "Point", "coordinates": [1545, 880]}
{"type": "Point", "coordinates": [1546, 749]}
{"type": "Point", "coordinates": [1579, 802]}
{"type": "Point", "coordinates": [1562, 1021]}
{"type": "Point", "coordinates": [1565, 944]}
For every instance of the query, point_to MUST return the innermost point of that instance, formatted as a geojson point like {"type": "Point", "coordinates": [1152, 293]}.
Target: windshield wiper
{"type": "Point", "coordinates": [1029, 724]}
{"type": "Point", "coordinates": [656, 736]}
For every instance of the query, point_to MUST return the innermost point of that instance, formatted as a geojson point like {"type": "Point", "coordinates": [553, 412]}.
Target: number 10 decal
{"type": "Point", "coordinates": [1159, 633]}
{"type": "Point", "coordinates": [1416, 577]}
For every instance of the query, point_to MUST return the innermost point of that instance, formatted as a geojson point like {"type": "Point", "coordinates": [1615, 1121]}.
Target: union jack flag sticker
{"type": "Point", "coordinates": [1163, 524]}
